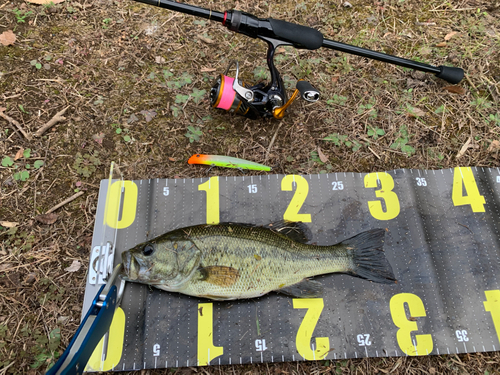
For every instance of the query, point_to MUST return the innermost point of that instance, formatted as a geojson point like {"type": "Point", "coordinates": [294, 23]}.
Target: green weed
{"type": "Point", "coordinates": [21, 168]}
{"type": "Point", "coordinates": [106, 23]}
{"type": "Point", "coordinates": [86, 164]}
{"type": "Point", "coordinates": [198, 95]}
{"type": "Point", "coordinates": [337, 100]}
{"type": "Point", "coordinates": [46, 349]}
{"type": "Point", "coordinates": [401, 142]}
{"type": "Point", "coordinates": [375, 132]}
{"type": "Point", "coordinates": [21, 15]}
{"type": "Point", "coordinates": [368, 108]}
{"type": "Point", "coordinates": [194, 134]}
{"type": "Point", "coordinates": [494, 119]}
{"type": "Point", "coordinates": [343, 140]}
{"type": "Point", "coordinates": [123, 132]}
{"type": "Point", "coordinates": [36, 64]}
{"type": "Point", "coordinates": [7, 161]}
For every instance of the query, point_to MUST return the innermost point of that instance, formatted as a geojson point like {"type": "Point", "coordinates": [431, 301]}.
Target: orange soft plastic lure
{"type": "Point", "coordinates": [227, 162]}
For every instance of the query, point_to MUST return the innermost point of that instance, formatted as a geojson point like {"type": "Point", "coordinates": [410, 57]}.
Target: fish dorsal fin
{"type": "Point", "coordinates": [304, 289]}
{"type": "Point", "coordinates": [296, 231]}
{"type": "Point", "coordinates": [219, 275]}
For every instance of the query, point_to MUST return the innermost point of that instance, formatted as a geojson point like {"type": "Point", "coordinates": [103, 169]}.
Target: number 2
{"type": "Point", "coordinates": [292, 211]}
{"type": "Point", "coordinates": [314, 308]}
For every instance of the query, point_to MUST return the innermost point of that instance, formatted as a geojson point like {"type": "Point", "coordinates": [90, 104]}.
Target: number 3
{"type": "Point", "coordinates": [385, 192]}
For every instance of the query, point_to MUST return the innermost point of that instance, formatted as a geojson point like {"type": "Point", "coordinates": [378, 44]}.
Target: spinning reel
{"type": "Point", "coordinates": [261, 100]}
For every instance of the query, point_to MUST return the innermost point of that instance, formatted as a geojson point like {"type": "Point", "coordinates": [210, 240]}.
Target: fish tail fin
{"type": "Point", "coordinates": [369, 258]}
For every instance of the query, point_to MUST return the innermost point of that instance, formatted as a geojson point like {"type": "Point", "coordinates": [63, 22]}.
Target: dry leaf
{"type": "Point", "coordinates": [322, 156]}
{"type": "Point", "coordinates": [98, 137]}
{"type": "Point", "coordinates": [442, 44]}
{"type": "Point", "coordinates": [44, 2]}
{"type": "Point", "coordinates": [47, 218]}
{"type": "Point", "coordinates": [415, 112]}
{"type": "Point", "coordinates": [450, 35]}
{"type": "Point", "coordinates": [160, 60]}
{"type": "Point", "coordinates": [5, 266]}
{"type": "Point", "coordinates": [149, 114]}
{"type": "Point", "coordinates": [494, 146]}
{"type": "Point", "coordinates": [172, 159]}
{"type": "Point", "coordinates": [19, 154]}
{"type": "Point", "coordinates": [7, 38]}
{"type": "Point", "coordinates": [75, 266]}
{"type": "Point", "coordinates": [455, 89]}
{"type": "Point", "coordinates": [8, 224]}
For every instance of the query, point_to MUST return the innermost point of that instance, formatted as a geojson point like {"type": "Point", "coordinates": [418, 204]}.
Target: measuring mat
{"type": "Point", "coordinates": [442, 241]}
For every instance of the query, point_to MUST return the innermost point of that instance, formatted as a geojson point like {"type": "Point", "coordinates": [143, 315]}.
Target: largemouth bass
{"type": "Point", "coordinates": [233, 261]}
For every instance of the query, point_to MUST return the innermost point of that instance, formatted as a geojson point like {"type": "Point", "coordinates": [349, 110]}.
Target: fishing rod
{"type": "Point", "coordinates": [270, 100]}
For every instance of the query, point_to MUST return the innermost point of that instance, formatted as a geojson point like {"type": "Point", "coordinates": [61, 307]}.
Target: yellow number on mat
{"type": "Point", "coordinates": [298, 199]}
{"type": "Point", "coordinates": [492, 304]}
{"type": "Point", "coordinates": [206, 348]}
{"type": "Point", "coordinates": [115, 345]}
{"type": "Point", "coordinates": [463, 177]}
{"type": "Point", "coordinates": [212, 189]}
{"type": "Point", "coordinates": [423, 344]}
{"type": "Point", "coordinates": [321, 348]}
{"type": "Point", "coordinates": [129, 206]}
{"type": "Point", "coordinates": [385, 192]}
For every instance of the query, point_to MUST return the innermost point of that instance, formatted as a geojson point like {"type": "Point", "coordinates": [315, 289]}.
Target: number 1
{"type": "Point", "coordinates": [211, 187]}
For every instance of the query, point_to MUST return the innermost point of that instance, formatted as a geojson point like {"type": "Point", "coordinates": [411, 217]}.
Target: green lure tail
{"type": "Point", "coordinates": [227, 162]}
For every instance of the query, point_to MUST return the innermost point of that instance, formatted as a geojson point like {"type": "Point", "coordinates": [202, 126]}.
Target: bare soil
{"type": "Point", "coordinates": [135, 82]}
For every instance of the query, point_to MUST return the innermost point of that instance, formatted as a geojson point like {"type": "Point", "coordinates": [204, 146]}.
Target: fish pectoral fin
{"type": "Point", "coordinates": [219, 275]}
{"type": "Point", "coordinates": [304, 289]}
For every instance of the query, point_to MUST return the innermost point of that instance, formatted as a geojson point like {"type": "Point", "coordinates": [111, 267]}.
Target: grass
{"type": "Point", "coordinates": [136, 79]}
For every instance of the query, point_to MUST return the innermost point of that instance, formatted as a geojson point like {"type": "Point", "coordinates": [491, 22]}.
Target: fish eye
{"type": "Point", "coordinates": [148, 250]}
{"type": "Point", "coordinates": [198, 156]}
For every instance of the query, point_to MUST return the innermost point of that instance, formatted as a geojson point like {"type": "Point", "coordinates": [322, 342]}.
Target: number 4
{"type": "Point", "coordinates": [463, 177]}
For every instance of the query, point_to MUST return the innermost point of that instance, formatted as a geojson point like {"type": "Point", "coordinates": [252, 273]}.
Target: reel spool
{"type": "Point", "coordinates": [231, 95]}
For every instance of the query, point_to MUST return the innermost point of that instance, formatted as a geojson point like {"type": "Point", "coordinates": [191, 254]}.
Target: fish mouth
{"type": "Point", "coordinates": [130, 265]}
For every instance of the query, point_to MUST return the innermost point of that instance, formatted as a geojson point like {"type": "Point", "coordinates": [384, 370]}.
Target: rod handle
{"type": "Point", "coordinates": [300, 36]}
{"type": "Point", "coordinates": [450, 74]}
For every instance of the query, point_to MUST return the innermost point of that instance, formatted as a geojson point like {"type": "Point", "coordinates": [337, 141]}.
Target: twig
{"type": "Point", "coordinates": [72, 198]}
{"type": "Point", "coordinates": [272, 142]}
{"type": "Point", "coordinates": [58, 117]}
{"type": "Point", "coordinates": [17, 124]}
{"type": "Point", "coordinates": [374, 153]}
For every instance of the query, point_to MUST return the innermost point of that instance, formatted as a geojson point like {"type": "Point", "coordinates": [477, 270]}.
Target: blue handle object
{"type": "Point", "coordinates": [93, 327]}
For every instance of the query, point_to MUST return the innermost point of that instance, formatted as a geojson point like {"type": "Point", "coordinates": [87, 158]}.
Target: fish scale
{"type": "Point", "coordinates": [265, 260]}
{"type": "Point", "coordinates": [233, 261]}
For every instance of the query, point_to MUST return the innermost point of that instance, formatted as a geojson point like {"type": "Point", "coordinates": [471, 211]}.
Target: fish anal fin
{"type": "Point", "coordinates": [219, 275]}
{"type": "Point", "coordinates": [304, 289]}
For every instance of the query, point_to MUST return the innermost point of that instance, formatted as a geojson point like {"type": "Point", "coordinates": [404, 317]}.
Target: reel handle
{"type": "Point", "coordinates": [307, 91]}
